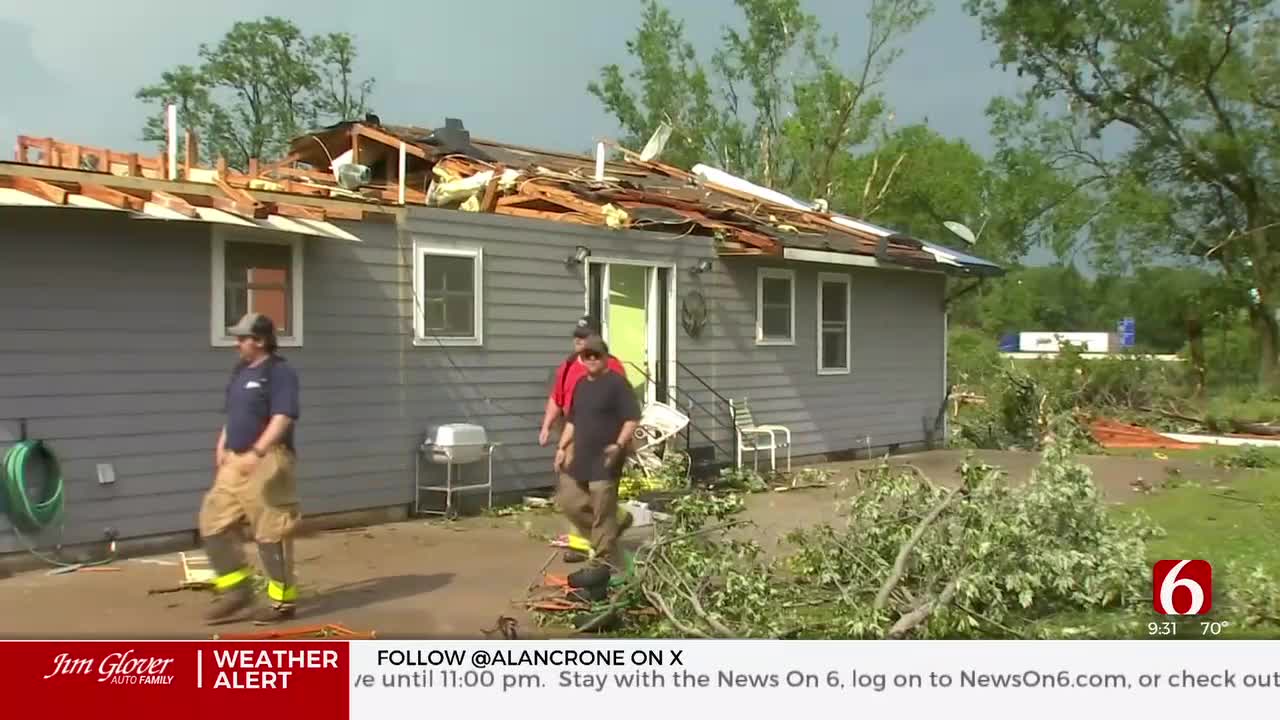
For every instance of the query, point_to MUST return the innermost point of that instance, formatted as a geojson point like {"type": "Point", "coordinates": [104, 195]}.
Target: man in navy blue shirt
{"type": "Point", "coordinates": [254, 481]}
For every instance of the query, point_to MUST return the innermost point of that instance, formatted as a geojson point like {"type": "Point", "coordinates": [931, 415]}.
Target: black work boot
{"type": "Point", "coordinates": [592, 576]}
{"type": "Point", "coordinates": [230, 602]}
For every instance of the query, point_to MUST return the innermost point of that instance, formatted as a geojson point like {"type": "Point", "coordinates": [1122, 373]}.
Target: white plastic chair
{"type": "Point", "coordinates": [751, 437]}
{"type": "Point", "coordinates": [659, 422]}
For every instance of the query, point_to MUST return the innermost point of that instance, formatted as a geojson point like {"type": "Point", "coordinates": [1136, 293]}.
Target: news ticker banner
{"type": "Point", "coordinates": [625, 679]}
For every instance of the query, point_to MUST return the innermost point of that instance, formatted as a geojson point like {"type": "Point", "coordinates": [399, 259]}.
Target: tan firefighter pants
{"type": "Point", "coordinates": [265, 497]}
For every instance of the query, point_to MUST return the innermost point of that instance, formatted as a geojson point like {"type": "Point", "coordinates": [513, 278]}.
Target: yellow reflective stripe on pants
{"type": "Point", "coordinates": [231, 579]}
{"type": "Point", "coordinates": [279, 592]}
{"type": "Point", "coordinates": [577, 542]}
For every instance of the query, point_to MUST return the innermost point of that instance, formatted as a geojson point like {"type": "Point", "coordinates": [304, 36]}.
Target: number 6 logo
{"type": "Point", "coordinates": [1194, 577]}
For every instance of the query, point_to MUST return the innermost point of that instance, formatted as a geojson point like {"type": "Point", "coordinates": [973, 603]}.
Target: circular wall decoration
{"type": "Point", "coordinates": [693, 313]}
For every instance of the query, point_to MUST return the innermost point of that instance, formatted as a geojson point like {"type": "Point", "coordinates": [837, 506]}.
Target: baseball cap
{"type": "Point", "coordinates": [586, 327]}
{"type": "Point", "coordinates": [595, 344]}
{"type": "Point", "coordinates": [253, 325]}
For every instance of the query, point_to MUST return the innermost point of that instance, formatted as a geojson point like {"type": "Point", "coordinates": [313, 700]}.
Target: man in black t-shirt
{"type": "Point", "coordinates": [601, 423]}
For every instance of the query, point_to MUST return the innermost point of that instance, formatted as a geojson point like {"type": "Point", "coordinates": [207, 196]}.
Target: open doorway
{"type": "Point", "coordinates": [633, 301]}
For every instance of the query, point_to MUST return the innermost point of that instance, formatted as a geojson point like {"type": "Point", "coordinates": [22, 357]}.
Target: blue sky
{"type": "Point", "coordinates": [516, 71]}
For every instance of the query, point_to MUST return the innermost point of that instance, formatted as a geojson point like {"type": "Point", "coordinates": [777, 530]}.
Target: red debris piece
{"type": "Point", "coordinates": [1116, 435]}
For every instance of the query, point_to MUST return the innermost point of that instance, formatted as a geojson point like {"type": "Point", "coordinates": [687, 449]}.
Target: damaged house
{"type": "Point", "coordinates": [422, 277]}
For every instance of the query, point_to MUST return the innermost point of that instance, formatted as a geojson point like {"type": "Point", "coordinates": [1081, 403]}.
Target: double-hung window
{"type": "Point", "coordinates": [775, 306]}
{"type": "Point", "coordinates": [834, 303]}
{"type": "Point", "coordinates": [448, 295]}
{"type": "Point", "coordinates": [260, 274]}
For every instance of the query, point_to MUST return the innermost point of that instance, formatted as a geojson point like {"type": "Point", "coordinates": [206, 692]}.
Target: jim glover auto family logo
{"type": "Point", "coordinates": [119, 668]}
{"type": "Point", "coordinates": [1182, 587]}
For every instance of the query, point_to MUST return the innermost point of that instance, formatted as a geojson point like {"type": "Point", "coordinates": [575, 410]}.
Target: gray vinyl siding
{"type": "Point", "coordinates": [106, 353]}
{"type": "Point", "coordinates": [895, 383]}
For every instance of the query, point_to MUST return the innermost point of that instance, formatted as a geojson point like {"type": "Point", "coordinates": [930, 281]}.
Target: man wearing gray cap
{"type": "Point", "coordinates": [254, 481]}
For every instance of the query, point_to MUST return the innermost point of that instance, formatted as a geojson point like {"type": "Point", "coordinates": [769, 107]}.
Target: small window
{"type": "Point", "coordinates": [775, 307]}
{"type": "Point", "coordinates": [448, 296]}
{"type": "Point", "coordinates": [833, 324]}
{"type": "Point", "coordinates": [256, 274]}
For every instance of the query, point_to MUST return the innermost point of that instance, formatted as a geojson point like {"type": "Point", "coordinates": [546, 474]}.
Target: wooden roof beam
{"type": "Point", "coordinates": [41, 189]}
{"type": "Point", "coordinates": [388, 139]}
{"type": "Point", "coordinates": [299, 211]}
{"type": "Point", "coordinates": [238, 201]}
{"type": "Point", "coordinates": [112, 197]}
{"type": "Point", "coordinates": [172, 202]}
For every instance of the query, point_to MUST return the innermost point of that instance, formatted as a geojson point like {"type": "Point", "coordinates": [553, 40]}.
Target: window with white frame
{"type": "Point", "coordinates": [833, 324]}
{"type": "Point", "coordinates": [259, 273]}
{"type": "Point", "coordinates": [775, 306]}
{"type": "Point", "coordinates": [448, 295]}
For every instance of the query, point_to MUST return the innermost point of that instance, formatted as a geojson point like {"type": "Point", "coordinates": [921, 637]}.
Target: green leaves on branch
{"type": "Point", "coordinates": [1188, 91]}
{"type": "Point", "coordinates": [770, 104]}
{"type": "Point", "coordinates": [263, 84]}
{"type": "Point", "coordinates": [907, 559]}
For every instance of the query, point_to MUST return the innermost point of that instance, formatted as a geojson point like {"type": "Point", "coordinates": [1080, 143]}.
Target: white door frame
{"type": "Point", "coordinates": [652, 282]}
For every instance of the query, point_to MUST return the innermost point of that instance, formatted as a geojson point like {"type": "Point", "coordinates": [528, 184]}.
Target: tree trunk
{"type": "Point", "coordinates": [1264, 323]}
{"type": "Point", "coordinates": [1195, 340]}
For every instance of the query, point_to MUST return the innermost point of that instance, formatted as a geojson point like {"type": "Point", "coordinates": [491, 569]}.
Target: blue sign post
{"type": "Point", "coordinates": [1128, 334]}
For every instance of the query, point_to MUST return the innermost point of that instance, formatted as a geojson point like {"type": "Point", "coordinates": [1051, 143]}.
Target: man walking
{"type": "Point", "coordinates": [254, 480]}
{"type": "Point", "coordinates": [568, 374]}
{"type": "Point", "coordinates": [601, 424]}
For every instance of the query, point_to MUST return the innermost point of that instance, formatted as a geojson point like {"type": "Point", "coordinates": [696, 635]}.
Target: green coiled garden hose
{"type": "Point", "coordinates": [35, 516]}
{"type": "Point", "coordinates": [25, 512]}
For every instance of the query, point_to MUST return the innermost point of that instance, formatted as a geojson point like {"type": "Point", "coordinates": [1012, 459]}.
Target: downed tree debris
{"type": "Point", "coordinates": [908, 559]}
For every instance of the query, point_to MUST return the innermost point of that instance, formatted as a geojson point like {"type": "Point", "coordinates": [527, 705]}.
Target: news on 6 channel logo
{"type": "Point", "coordinates": [1182, 587]}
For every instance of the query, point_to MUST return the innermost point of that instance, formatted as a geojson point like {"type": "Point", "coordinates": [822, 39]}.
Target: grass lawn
{"type": "Point", "coordinates": [1237, 521]}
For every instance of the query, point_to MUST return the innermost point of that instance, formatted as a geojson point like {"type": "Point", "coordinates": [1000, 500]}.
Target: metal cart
{"type": "Point", "coordinates": [452, 445]}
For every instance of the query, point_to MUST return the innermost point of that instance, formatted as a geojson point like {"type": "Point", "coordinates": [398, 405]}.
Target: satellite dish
{"type": "Point", "coordinates": [961, 231]}
{"type": "Point", "coordinates": [656, 142]}
{"type": "Point", "coordinates": [353, 177]}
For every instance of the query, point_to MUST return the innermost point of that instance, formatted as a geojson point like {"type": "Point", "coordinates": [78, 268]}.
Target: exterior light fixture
{"type": "Point", "coordinates": [579, 256]}
{"type": "Point", "coordinates": [704, 265]}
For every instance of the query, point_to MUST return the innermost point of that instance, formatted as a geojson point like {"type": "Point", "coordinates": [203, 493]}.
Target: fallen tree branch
{"type": "Point", "coordinates": [1175, 416]}
{"type": "Point", "coordinates": [900, 563]}
{"type": "Point", "coordinates": [1254, 428]}
{"type": "Point", "coordinates": [913, 619]}
{"type": "Point", "coordinates": [661, 604]}
{"type": "Point", "coordinates": [692, 596]}
{"type": "Point", "coordinates": [991, 622]}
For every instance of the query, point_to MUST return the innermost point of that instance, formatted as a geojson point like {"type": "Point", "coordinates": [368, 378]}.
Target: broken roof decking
{"type": "Point", "coordinates": [635, 193]}
{"type": "Point", "coordinates": [144, 198]}
{"type": "Point", "coordinates": [446, 167]}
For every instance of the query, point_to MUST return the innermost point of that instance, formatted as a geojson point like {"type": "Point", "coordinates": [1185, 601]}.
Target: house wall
{"type": "Point", "coordinates": [106, 353]}
{"type": "Point", "coordinates": [897, 350]}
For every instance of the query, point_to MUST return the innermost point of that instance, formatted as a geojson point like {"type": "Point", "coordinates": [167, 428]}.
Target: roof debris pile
{"type": "Point", "coordinates": [453, 170]}
{"type": "Point", "coordinates": [375, 164]}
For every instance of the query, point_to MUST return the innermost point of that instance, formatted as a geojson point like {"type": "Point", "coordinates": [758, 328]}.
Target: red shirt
{"type": "Point", "coordinates": [568, 375]}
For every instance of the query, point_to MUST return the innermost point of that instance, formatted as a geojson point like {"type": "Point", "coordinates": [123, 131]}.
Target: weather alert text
{"type": "Point", "coordinates": [266, 669]}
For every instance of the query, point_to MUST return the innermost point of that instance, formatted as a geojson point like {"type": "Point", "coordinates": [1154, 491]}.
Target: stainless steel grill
{"type": "Point", "coordinates": [452, 445]}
